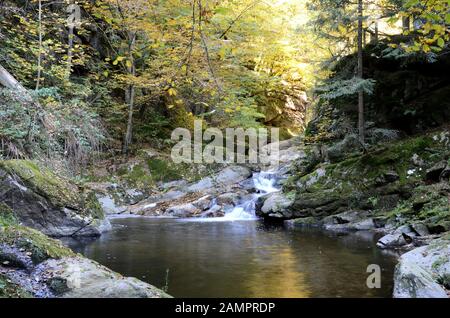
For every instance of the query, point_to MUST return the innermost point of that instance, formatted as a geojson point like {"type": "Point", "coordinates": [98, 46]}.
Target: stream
{"type": "Point", "coordinates": [240, 256]}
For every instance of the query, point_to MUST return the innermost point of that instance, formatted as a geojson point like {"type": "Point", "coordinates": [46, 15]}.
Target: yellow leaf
{"type": "Point", "coordinates": [172, 91]}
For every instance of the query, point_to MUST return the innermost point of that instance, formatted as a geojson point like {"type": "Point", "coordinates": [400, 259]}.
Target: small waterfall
{"type": "Point", "coordinates": [264, 183]}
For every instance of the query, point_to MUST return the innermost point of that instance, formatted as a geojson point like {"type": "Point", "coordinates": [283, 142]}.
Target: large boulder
{"type": "Point", "coordinates": [424, 272]}
{"type": "Point", "coordinates": [78, 277]}
{"type": "Point", "coordinates": [49, 203]}
{"type": "Point", "coordinates": [275, 205]}
{"type": "Point", "coordinates": [223, 179]}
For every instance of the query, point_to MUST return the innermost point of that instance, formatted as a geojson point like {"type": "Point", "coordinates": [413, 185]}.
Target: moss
{"type": "Point", "coordinates": [11, 290]}
{"type": "Point", "coordinates": [7, 216]}
{"type": "Point", "coordinates": [42, 181]}
{"type": "Point", "coordinates": [40, 246]}
{"type": "Point", "coordinates": [92, 205]}
{"type": "Point", "coordinates": [162, 170]}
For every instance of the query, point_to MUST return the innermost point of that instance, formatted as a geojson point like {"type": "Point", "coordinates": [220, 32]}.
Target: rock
{"type": "Point", "coordinates": [417, 161]}
{"type": "Point", "coordinates": [346, 217]}
{"type": "Point", "coordinates": [11, 257]}
{"type": "Point", "coordinates": [445, 174]}
{"type": "Point", "coordinates": [350, 221]}
{"type": "Point", "coordinates": [303, 222]}
{"type": "Point", "coordinates": [424, 272]}
{"type": "Point", "coordinates": [109, 205]}
{"type": "Point", "coordinates": [392, 241]}
{"type": "Point", "coordinates": [203, 203]}
{"type": "Point", "coordinates": [191, 209]}
{"type": "Point", "coordinates": [412, 281]}
{"type": "Point", "coordinates": [276, 205]}
{"type": "Point", "coordinates": [230, 199]}
{"type": "Point", "coordinates": [386, 178]}
{"type": "Point", "coordinates": [173, 184]}
{"type": "Point", "coordinates": [232, 175]}
{"type": "Point", "coordinates": [226, 177]}
{"type": "Point", "coordinates": [421, 229]}
{"type": "Point", "coordinates": [407, 231]}
{"type": "Point", "coordinates": [44, 201]}
{"type": "Point", "coordinates": [183, 211]}
{"type": "Point", "coordinates": [203, 185]}
{"type": "Point", "coordinates": [77, 277]}
{"type": "Point", "coordinates": [340, 150]}
{"type": "Point", "coordinates": [216, 211]}
{"type": "Point", "coordinates": [434, 173]}
{"type": "Point", "coordinates": [364, 225]}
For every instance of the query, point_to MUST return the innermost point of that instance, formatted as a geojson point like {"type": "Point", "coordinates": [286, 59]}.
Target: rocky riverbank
{"type": "Point", "coordinates": [400, 189]}
{"type": "Point", "coordinates": [36, 202]}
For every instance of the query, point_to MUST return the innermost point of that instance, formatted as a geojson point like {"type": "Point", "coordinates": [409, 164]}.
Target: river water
{"type": "Point", "coordinates": [240, 258]}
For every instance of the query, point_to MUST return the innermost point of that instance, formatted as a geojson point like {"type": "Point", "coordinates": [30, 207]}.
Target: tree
{"type": "Point", "coordinates": [361, 121]}
{"type": "Point", "coordinates": [340, 22]}
{"type": "Point", "coordinates": [132, 20]}
{"type": "Point", "coordinates": [39, 62]}
{"type": "Point", "coordinates": [431, 21]}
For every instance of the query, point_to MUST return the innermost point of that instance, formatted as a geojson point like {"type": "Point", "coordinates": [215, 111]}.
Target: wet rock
{"type": "Point", "coordinates": [228, 201]}
{"type": "Point", "coordinates": [350, 221]}
{"type": "Point", "coordinates": [424, 272]}
{"type": "Point", "coordinates": [276, 205]}
{"type": "Point", "coordinates": [203, 203]}
{"type": "Point", "coordinates": [183, 211]}
{"type": "Point", "coordinates": [190, 209]}
{"type": "Point", "coordinates": [303, 222]}
{"type": "Point", "coordinates": [395, 240]}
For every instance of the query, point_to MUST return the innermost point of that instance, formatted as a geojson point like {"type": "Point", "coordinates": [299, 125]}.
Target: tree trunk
{"type": "Point", "coordinates": [361, 121]}
{"type": "Point", "coordinates": [69, 51]}
{"type": "Point", "coordinates": [129, 96]}
{"type": "Point", "coordinates": [374, 35]}
{"type": "Point", "coordinates": [7, 80]}
{"type": "Point", "coordinates": [38, 80]}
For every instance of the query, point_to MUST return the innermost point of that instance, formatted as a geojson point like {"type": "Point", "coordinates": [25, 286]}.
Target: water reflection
{"type": "Point", "coordinates": [240, 259]}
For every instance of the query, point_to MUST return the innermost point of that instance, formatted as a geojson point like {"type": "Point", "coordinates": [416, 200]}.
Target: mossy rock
{"type": "Point", "coordinates": [40, 246]}
{"type": "Point", "coordinates": [11, 290]}
{"type": "Point", "coordinates": [47, 202]}
{"type": "Point", "coordinates": [389, 171]}
{"type": "Point", "coordinates": [42, 181]}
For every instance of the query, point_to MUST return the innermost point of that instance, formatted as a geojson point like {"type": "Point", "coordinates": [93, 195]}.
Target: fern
{"type": "Point", "coordinates": [346, 88]}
